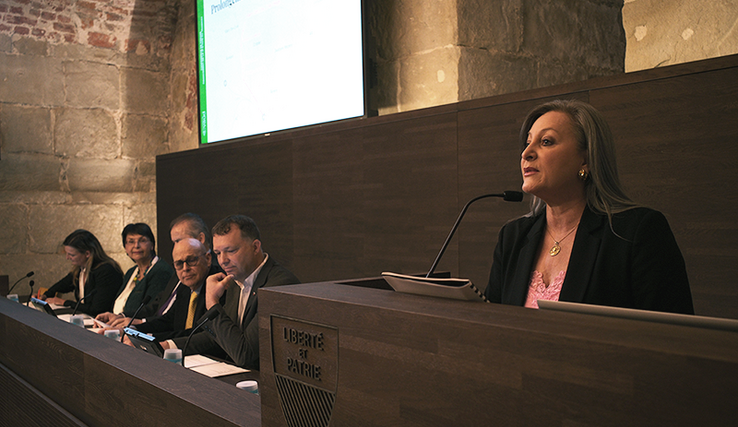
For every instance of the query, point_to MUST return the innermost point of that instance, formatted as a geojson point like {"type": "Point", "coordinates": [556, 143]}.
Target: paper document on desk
{"type": "Point", "coordinates": [211, 368]}
{"type": "Point", "coordinates": [462, 289]}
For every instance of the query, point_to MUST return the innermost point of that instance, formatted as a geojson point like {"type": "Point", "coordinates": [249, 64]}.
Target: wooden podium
{"type": "Point", "coordinates": [340, 355]}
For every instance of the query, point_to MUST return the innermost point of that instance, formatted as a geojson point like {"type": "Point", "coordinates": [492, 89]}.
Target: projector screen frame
{"type": "Point", "coordinates": [367, 78]}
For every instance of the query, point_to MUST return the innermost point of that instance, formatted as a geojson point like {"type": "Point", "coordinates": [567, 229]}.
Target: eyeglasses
{"type": "Point", "coordinates": [133, 242]}
{"type": "Point", "coordinates": [191, 261]}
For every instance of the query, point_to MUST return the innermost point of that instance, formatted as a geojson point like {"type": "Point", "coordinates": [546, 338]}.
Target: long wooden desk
{"type": "Point", "coordinates": [55, 373]}
{"type": "Point", "coordinates": [346, 355]}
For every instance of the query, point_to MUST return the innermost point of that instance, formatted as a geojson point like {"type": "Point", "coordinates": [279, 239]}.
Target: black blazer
{"type": "Point", "coordinates": [240, 343]}
{"type": "Point", "coordinates": [104, 280]}
{"type": "Point", "coordinates": [172, 323]}
{"type": "Point", "coordinates": [640, 267]}
{"type": "Point", "coordinates": [152, 284]}
{"type": "Point", "coordinates": [151, 309]}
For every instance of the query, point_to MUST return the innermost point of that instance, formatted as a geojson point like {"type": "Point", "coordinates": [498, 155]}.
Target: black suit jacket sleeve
{"type": "Point", "coordinates": [635, 263]}
{"type": "Point", "coordinates": [66, 284]}
{"type": "Point", "coordinates": [166, 322]}
{"type": "Point", "coordinates": [152, 284]}
{"type": "Point", "coordinates": [104, 280]}
{"type": "Point", "coordinates": [150, 309]}
{"type": "Point", "coordinates": [172, 323]}
{"type": "Point", "coordinates": [239, 342]}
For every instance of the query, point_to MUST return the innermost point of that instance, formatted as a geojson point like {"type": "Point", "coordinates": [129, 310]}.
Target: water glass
{"type": "Point", "coordinates": [112, 333]}
{"type": "Point", "coordinates": [173, 355]}
{"type": "Point", "coordinates": [249, 385]}
{"type": "Point", "coordinates": [78, 320]}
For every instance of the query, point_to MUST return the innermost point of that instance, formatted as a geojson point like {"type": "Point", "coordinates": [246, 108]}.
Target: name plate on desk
{"type": "Point", "coordinates": [305, 352]}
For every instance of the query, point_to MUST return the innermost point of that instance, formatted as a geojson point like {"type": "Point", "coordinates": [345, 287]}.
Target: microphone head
{"type": "Point", "coordinates": [30, 273]}
{"type": "Point", "coordinates": [512, 196]}
{"type": "Point", "coordinates": [31, 283]}
{"type": "Point", "coordinates": [146, 299]}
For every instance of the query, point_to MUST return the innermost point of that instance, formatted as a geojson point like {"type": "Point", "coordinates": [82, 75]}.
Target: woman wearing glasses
{"type": "Point", "coordinates": [150, 274]}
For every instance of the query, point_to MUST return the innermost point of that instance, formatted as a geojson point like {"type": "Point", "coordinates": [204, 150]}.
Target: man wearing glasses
{"type": "Point", "coordinates": [247, 268]}
{"type": "Point", "coordinates": [192, 265]}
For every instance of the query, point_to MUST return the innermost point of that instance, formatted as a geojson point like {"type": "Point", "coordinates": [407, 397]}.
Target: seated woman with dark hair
{"type": "Point", "coordinates": [150, 274]}
{"type": "Point", "coordinates": [95, 276]}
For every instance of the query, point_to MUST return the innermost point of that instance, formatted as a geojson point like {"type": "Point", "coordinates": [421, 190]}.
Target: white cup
{"type": "Point", "coordinates": [112, 333]}
{"type": "Point", "coordinates": [173, 355]}
{"type": "Point", "coordinates": [249, 385]}
{"type": "Point", "coordinates": [13, 297]}
{"type": "Point", "coordinates": [78, 320]}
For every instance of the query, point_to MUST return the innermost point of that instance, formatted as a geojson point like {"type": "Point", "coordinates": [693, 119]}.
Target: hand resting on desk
{"type": "Point", "coordinates": [116, 320]}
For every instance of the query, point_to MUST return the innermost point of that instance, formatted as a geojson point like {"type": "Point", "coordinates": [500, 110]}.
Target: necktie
{"type": "Point", "coordinates": [191, 311]}
{"type": "Point", "coordinates": [165, 306]}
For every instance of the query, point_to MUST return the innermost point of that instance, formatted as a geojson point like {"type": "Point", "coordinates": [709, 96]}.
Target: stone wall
{"type": "Point", "coordinates": [432, 53]}
{"type": "Point", "coordinates": [183, 120]}
{"type": "Point", "coordinates": [84, 101]}
{"type": "Point", "coordinates": [663, 33]}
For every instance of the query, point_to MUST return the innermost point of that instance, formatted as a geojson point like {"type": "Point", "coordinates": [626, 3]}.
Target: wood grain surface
{"type": "Point", "coordinates": [353, 199]}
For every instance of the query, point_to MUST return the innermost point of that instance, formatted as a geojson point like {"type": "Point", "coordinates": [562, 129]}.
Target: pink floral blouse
{"type": "Point", "coordinates": [538, 289]}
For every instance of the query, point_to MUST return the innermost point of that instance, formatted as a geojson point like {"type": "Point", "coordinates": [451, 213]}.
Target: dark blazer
{"type": "Point", "coordinates": [640, 267]}
{"type": "Point", "coordinates": [104, 280]}
{"type": "Point", "coordinates": [172, 323]}
{"type": "Point", "coordinates": [152, 308]}
{"type": "Point", "coordinates": [153, 282]}
{"type": "Point", "coordinates": [240, 343]}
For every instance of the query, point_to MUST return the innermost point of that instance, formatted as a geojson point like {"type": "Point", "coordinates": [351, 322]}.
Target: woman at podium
{"type": "Point", "coordinates": [94, 279]}
{"type": "Point", "coordinates": [584, 240]}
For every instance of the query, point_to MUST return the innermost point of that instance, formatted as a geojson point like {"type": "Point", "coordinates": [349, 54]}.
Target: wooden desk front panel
{"type": "Point", "coordinates": [104, 383]}
{"type": "Point", "coordinates": [405, 360]}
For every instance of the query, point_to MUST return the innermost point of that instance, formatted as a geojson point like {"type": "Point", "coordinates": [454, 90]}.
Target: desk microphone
{"type": "Point", "coordinates": [209, 315]}
{"type": "Point", "coordinates": [508, 196]}
{"type": "Point", "coordinates": [30, 273]}
{"type": "Point", "coordinates": [76, 306]}
{"type": "Point", "coordinates": [31, 283]}
{"type": "Point", "coordinates": [145, 301]}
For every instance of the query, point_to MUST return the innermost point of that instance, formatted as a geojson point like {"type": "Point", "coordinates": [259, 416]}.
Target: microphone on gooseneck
{"type": "Point", "coordinates": [30, 295]}
{"type": "Point", "coordinates": [76, 306]}
{"type": "Point", "coordinates": [508, 196]}
{"type": "Point", "coordinates": [209, 315]}
{"type": "Point", "coordinates": [30, 273]}
{"type": "Point", "coordinates": [145, 301]}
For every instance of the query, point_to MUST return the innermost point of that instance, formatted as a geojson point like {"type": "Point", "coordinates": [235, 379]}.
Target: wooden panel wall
{"type": "Point", "coordinates": [357, 198]}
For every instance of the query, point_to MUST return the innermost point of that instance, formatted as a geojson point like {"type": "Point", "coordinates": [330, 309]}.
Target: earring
{"type": "Point", "coordinates": [583, 174]}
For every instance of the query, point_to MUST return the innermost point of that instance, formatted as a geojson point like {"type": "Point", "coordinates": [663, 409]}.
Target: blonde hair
{"type": "Point", "coordinates": [603, 191]}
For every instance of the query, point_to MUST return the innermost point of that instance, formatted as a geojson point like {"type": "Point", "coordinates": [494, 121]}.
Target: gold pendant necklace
{"type": "Point", "coordinates": [556, 248]}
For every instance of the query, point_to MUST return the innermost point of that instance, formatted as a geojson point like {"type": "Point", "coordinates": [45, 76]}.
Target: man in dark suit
{"type": "Point", "coordinates": [192, 264]}
{"type": "Point", "coordinates": [235, 331]}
